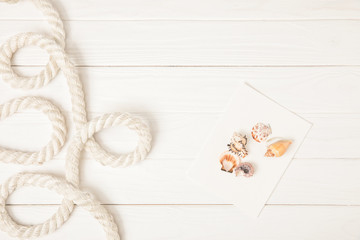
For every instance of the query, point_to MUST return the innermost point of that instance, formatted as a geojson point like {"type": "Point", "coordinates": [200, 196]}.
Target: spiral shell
{"type": "Point", "coordinates": [229, 161]}
{"type": "Point", "coordinates": [244, 169]}
{"type": "Point", "coordinates": [278, 148]}
{"type": "Point", "coordinates": [260, 132]}
{"type": "Point", "coordinates": [238, 144]}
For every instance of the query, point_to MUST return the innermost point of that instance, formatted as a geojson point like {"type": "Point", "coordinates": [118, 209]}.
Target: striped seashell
{"type": "Point", "coordinates": [237, 144]}
{"type": "Point", "coordinates": [229, 161]}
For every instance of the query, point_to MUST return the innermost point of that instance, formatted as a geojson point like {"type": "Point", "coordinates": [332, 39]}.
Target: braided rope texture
{"type": "Point", "coordinates": [83, 138]}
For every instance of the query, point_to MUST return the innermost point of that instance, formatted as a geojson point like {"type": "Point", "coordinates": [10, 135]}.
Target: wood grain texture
{"type": "Point", "coordinates": [206, 222]}
{"type": "Point", "coordinates": [177, 63]}
{"type": "Point", "coordinates": [163, 181]}
{"type": "Point", "coordinates": [306, 90]}
{"type": "Point", "coordinates": [187, 10]}
{"type": "Point", "coordinates": [201, 43]}
{"type": "Point", "coordinates": [192, 104]}
{"type": "Point", "coordinates": [168, 139]}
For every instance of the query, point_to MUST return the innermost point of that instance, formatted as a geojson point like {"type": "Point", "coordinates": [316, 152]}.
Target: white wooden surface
{"type": "Point", "coordinates": [175, 63]}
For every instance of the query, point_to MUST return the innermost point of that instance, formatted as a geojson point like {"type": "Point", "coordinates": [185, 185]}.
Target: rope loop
{"type": "Point", "coordinates": [58, 136]}
{"type": "Point", "coordinates": [83, 138]}
{"type": "Point", "coordinates": [72, 195]}
{"type": "Point", "coordinates": [21, 40]}
{"type": "Point", "coordinates": [8, 50]}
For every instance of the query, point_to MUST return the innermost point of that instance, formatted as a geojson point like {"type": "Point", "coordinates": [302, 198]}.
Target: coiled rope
{"type": "Point", "coordinates": [69, 187]}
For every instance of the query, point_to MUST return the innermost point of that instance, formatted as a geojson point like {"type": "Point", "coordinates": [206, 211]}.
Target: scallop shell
{"type": "Point", "coordinates": [244, 169]}
{"type": "Point", "coordinates": [229, 161]}
{"type": "Point", "coordinates": [260, 132]}
{"type": "Point", "coordinates": [278, 148]}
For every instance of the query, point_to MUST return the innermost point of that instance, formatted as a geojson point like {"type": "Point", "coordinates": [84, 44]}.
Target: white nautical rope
{"type": "Point", "coordinates": [57, 139]}
{"type": "Point", "coordinates": [85, 130]}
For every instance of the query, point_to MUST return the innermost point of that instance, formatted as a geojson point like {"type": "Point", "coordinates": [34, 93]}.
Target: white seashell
{"type": "Point", "coordinates": [260, 132]}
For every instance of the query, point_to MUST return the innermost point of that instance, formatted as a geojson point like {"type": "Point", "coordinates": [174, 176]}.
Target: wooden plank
{"type": "Point", "coordinates": [332, 136]}
{"type": "Point", "coordinates": [164, 181]}
{"type": "Point", "coordinates": [196, 103]}
{"type": "Point", "coordinates": [205, 222]}
{"type": "Point", "coordinates": [199, 43]}
{"type": "Point", "coordinates": [341, 128]}
{"type": "Point", "coordinates": [148, 90]}
{"type": "Point", "coordinates": [187, 9]}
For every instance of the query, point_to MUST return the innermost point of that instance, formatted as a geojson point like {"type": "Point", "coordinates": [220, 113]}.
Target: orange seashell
{"type": "Point", "coordinates": [229, 161]}
{"type": "Point", "coordinates": [260, 132]}
{"type": "Point", "coordinates": [278, 148]}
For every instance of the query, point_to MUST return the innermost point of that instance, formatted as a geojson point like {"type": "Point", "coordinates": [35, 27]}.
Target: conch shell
{"type": "Point", "coordinates": [244, 169]}
{"type": "Point", "coordinates": [278, 148]}
{"type": "Point", "coordinates": [238, 144]}
{"type": "Point", "coordinates": [229, 161]}
{"type": "Point", "coordinates": [260, 132]}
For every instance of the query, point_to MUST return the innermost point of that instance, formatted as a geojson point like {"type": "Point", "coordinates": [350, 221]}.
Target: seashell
{"type": "Point", "coordinates": [244, 169]}
{"type": "Point", "coordinates": [238, 144]}
{"type": "Point", "coordinates": [260, 132]}
{"type": "Point", "coordinates": [278, 148]}
{"type": "Point", "coordinates": [239, 138]}
{"type": "Point", "coordinates": [229, 161]}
